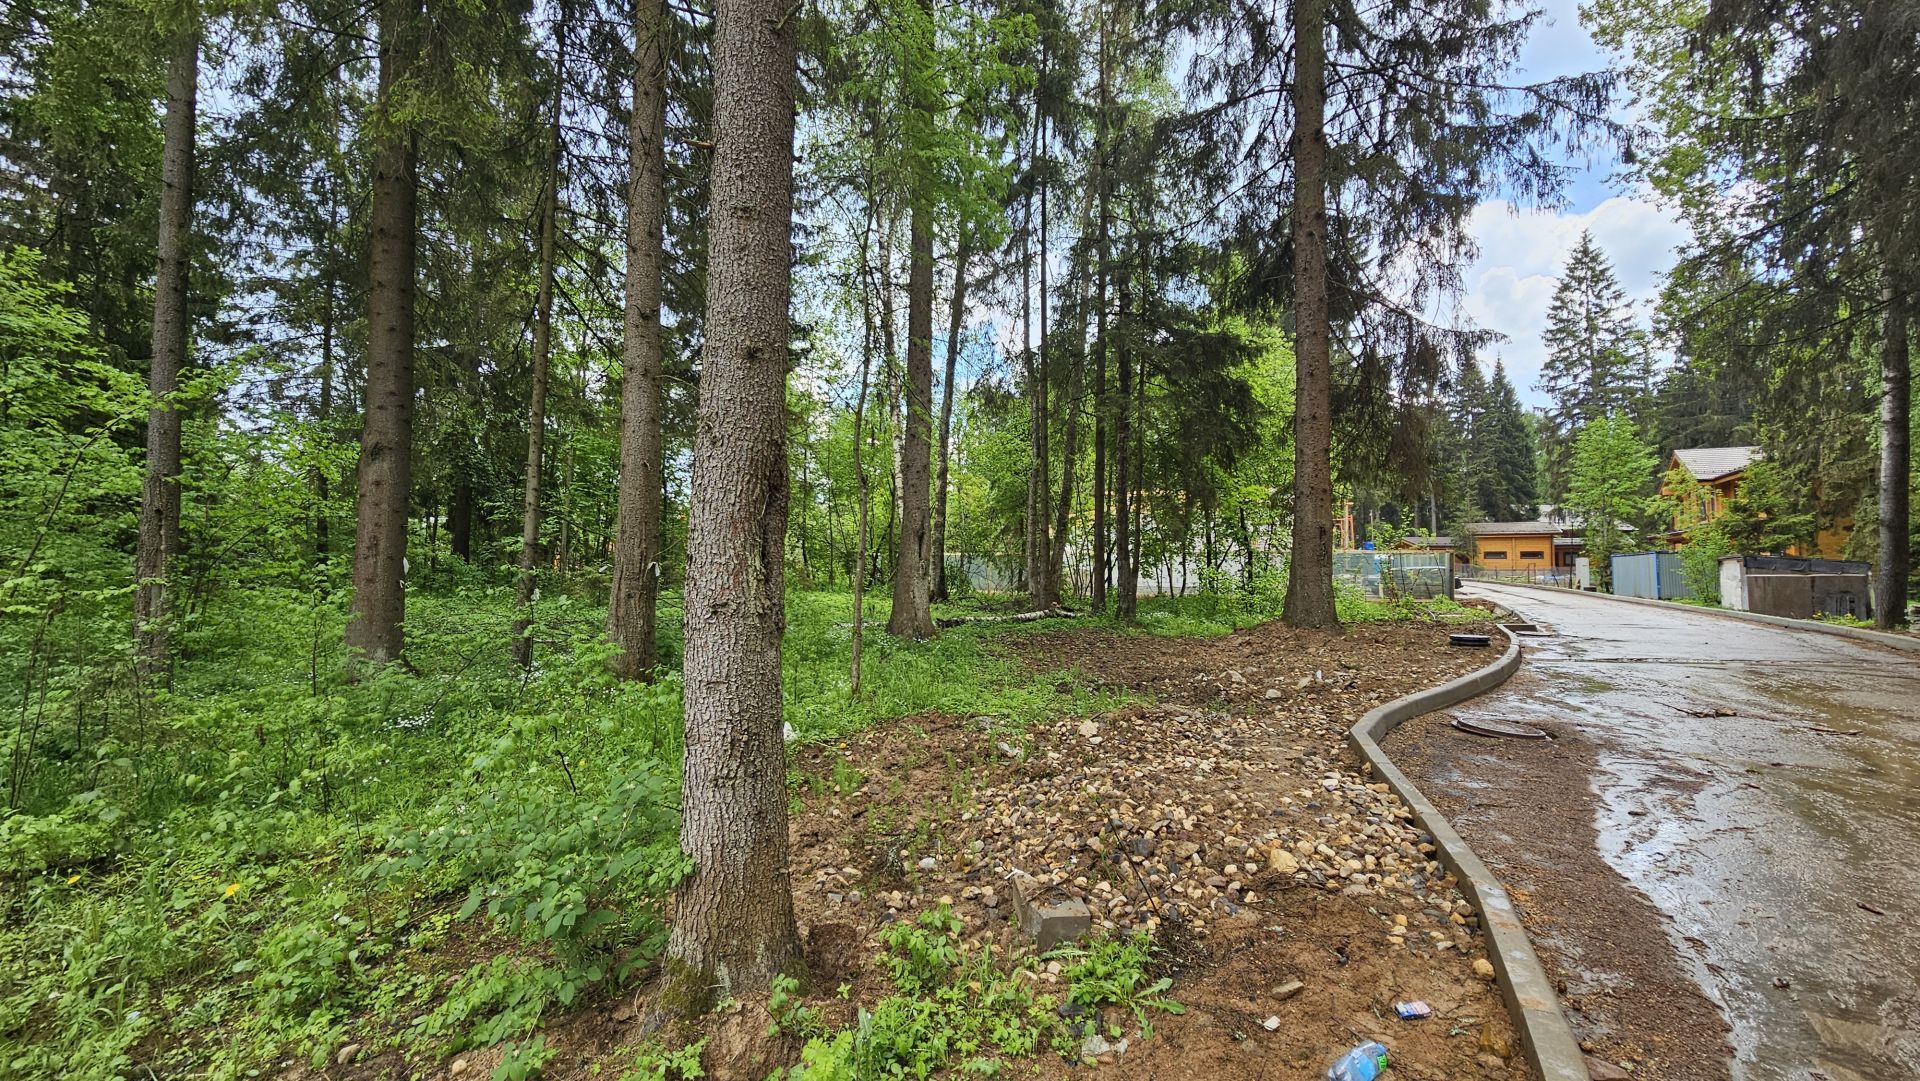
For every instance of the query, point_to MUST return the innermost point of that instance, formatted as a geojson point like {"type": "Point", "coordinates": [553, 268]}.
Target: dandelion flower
{"type": "Point", "coordinates": [232, 888]}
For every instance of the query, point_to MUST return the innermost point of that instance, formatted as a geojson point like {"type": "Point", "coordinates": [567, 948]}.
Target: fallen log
{"type": "Point", "coordinates": [1021, 617]}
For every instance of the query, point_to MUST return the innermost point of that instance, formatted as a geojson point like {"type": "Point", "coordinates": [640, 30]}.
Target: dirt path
{"type": "Point", "coordinates": [1528, 808]}
{"type": "Point", "coordinates": [1728, 806]}
{"type": "Point", "coordinates": [1228, 818]}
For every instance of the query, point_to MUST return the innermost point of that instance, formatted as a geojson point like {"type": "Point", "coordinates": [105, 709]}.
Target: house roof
{"type": "Point", "coordinates": [1712, 463]}
{"type": "Point", "coordinates": [1496, 529]}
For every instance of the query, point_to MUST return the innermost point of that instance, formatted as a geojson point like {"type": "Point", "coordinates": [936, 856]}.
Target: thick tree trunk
{"type": "Point", "coordinates": [956, 316]}
{"type": "Point", "coordinates": [1895, 465]}
{"type": "Point", "coordinates": [386, 442]}
{"type": "Point", "coordinates": [632, 615]}
{"type": "Point", "coordinates": [160, 495]}
{"type": "Point", "coordinates": [1309, 600]}
{"type": "Point", "coordinates": [911, 616]}
{"type": "Point", "coordinates": [537, 399]}
{"type": "Point", "coordinates": [733, 927]}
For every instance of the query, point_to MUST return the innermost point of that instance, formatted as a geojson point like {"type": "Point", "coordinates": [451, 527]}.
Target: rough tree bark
{"type": "Point", "coordinates": [1895, 454]}
{"type": "Point", "coordinates": [1309, 600]}
{"type": "Point", "coordinates": [956, 315]}
{"type": "Point", "coordinates": [386, 441]}
{"type": "Point", "coordinates": [160, 495]}
{"type": "Point", "coordinates": [632, 615]}
{"type": "Point", "coordinates": [733, 926]}
{"type": "Point", "coordinates": [537, 398]}
{"type": "Point", "coordinates": [912, 617]}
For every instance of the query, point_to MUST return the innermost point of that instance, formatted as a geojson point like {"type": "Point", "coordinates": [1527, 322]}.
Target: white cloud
{"type": "Point", "coordinates": [1522, 253]}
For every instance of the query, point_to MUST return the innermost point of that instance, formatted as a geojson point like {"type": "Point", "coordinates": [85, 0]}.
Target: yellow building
{"type": "Point", "coordinates": [1523, 546]}
{"type": "Point", "coordinates": [1720, 472]}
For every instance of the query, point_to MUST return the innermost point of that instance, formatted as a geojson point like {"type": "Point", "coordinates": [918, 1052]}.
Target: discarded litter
{"type": "Point", "coordinates": [1413, 1011]}
{"type": "Point", "coordinates": [1363, 1063]}
{"type": "Point", "coordinates": [1271, 1024]}
{"type": "Point", "coordinates": [1478, 640]}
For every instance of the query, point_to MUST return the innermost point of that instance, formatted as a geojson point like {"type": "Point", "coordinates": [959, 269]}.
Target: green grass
{"type": "Point", "coordinates": [271, 862]}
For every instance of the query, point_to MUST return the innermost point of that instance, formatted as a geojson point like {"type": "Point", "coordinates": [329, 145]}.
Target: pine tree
{"type": "Point", "coordinates": [1596, 364]}
{"type": "Point", "coordinates": [733, 922]}
{"type": "Point", "coordinates": [631, 610]}
{"type": "Point", "coordinates": [1510, 450]}
{"type": "Point", "coordinates": [386, 442]}
{"type": "Point", "coordinates": [160, 498]}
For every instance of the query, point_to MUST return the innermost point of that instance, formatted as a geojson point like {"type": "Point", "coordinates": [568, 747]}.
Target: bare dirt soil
{"type": "Point", "coordinates": [1527, 807]}
{"type": "Point", "coordinates": [1227, 818]}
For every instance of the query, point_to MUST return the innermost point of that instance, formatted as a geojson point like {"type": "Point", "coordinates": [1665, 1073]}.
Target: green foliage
{"type": "Point", "coordinates": [1611, 486]}
{"type": "Point", "coordinates": [1597, 359]}
{"type": "Point", "coordinates": [653, 1061]}
{"type": "Point", "coordinates": [956, 1009]}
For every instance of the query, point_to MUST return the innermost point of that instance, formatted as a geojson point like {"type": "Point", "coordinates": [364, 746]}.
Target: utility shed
{"type": "Point", "coordinates": [1649, 574]}
{"type": "Point", "coordinates": [1797, 588]}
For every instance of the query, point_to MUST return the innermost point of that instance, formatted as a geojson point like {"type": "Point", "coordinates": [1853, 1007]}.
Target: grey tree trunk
{"type": "Point", "coordinates": [160, 495]}
{"type": "Point", "coordinates": [537, 398]}
{"type": "Point", "coordinates": [1098, 587]}
{"type": "Point", "coordinates": [733, 926]}
{"type": "Point", "coordinates": [1046, 586]}
{"type": "Point", "coordinates": [322, 483]}
{"type": "Point", "coordinates": [1890, 589]}
{"type": "Point", "coordinates": [912, 617]}
{"type": "Point", "coordinates": [956, 316]}
{"type": "Point", "coordinates": [864, 528]}
{"type": "Point", "coordinates": [1309, 600]}
{"type": "Point", "coordinates": [374, 633]}
{"type": "Point", "coordinates": [632, 615]}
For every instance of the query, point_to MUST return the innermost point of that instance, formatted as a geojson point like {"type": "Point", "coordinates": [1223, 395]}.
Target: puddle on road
{"type": "Point", "coordinates": [1760, 837]}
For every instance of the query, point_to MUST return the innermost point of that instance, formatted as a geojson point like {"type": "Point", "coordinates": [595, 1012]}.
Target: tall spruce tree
{"type": "Point", "coordinates": [1403, 116]}
{"type": "Point", "coordinates": [386, 442]}
{"type": "Point", "coordinates": [733, 927]}
{"type": "Point", "coordinates": [1596, 362]}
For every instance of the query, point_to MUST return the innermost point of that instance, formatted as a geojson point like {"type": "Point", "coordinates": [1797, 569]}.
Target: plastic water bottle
{"type": "Point", "coordinates": [1363, 1063]}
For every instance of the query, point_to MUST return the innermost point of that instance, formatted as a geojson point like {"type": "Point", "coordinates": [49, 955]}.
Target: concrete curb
{"type": "Point", "coordinates": [1530, 996]}
{"type": "Point", "coordinates": [1907, 642]}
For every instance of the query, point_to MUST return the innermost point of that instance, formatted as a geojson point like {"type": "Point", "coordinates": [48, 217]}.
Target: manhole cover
{"type": "Point", "coordinates": [1505, 729]}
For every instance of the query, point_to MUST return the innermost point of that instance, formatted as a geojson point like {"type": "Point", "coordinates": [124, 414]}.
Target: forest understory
{"type": "Point", "coordinates": [1207, 818]}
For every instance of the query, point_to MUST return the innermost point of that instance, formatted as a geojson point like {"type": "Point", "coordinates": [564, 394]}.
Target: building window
{"type": "Point", "coordinates": [1501, 554]}
{"type": "Point", "coordinates": [1533, 555]}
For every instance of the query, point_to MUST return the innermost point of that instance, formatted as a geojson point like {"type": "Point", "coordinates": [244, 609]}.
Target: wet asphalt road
{"type": "Point", "coordinates": [1800, 814]}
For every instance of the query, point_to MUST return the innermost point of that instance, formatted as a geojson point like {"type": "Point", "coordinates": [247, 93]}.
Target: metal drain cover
{"type": "Point", "coordinates": [1505, 729]}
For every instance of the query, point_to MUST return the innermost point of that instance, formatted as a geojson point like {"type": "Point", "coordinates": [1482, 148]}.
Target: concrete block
{"type": "Point", "coordinates": [1047, 920]}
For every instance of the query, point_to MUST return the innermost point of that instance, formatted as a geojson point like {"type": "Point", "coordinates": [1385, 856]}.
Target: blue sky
{"type": "Point", "coordinates": [1522, 250]}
